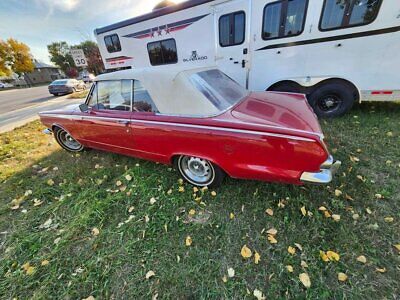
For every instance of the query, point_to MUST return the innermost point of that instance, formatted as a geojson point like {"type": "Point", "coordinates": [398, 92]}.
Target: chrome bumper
{"type": "Point", "coordinates": [328, 169]}
{"type": "Point", "coordinates": [48, 131]}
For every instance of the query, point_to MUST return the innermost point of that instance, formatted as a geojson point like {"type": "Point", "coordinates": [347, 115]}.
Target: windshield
{"type": "Point", "coordinates": [60, 82]}
{"type": "Point", "coordinates": [222, 91]}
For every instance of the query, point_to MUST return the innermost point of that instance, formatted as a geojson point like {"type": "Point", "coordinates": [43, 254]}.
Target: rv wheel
{"type": "Point", "coordinates": [332, 100]}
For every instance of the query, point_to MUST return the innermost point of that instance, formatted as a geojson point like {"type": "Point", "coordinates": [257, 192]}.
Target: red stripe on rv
{"type": "Point", "coordinates": [381, 92]}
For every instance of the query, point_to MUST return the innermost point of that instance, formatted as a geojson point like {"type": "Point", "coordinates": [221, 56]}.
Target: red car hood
{"type": "Point", "coordinates": [289, 111]}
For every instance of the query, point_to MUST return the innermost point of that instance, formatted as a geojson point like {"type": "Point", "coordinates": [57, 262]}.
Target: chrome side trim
{"type": "Point", "coordinates": [253, 132]}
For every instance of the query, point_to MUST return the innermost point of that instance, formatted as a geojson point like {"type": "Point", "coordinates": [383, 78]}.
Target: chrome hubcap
{"type": "Point", "coordinates": [68, 141]}
{"type": "Point", "coordinates": [196, 170]}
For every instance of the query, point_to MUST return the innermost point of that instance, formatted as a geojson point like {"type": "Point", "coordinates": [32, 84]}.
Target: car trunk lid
{"type": "Point", "coordinates": [281, 110]}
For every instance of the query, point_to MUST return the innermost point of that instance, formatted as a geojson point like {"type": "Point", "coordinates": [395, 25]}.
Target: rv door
{"type": "Point", "coordinates": [232, 35]}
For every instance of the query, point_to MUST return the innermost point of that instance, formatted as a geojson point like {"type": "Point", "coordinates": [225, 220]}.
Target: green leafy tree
{"type": "Point", "coordinates": [60, 56]}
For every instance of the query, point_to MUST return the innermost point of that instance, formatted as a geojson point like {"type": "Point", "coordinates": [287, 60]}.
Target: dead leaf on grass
{"type": "Point", "coordinates": [246, 252]}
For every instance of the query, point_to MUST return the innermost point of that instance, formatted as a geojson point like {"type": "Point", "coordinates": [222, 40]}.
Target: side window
{"type": "Point", "coordinates": [112, 43]}
{"type": "Point", "coordinates": [232, 29]}
{"type": "Point", "coordinates": [114, 95]}
{"type": "Point", "coordinates": [284, 18]}
{"type": "Point", "coordinates": [339, 14]}
{"type": "Point", "coordinates": [163, 52]}
{"type": "Point", "coordinates": [142, 101]}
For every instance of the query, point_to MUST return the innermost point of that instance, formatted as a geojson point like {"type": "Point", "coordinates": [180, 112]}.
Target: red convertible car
{"type": "Point", "coordinates": [201, 121]}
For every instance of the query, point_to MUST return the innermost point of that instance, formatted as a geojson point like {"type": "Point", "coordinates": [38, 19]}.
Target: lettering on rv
{"type": "Point", "coordinates": [195, 57]}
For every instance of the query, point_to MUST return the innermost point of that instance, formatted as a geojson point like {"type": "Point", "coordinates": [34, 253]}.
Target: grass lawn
{"type": "Point", "coordinates": [74, 226]}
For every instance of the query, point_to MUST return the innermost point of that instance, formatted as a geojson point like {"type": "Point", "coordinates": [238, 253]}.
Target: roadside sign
{"type": "Point", "coordinates": [79, 57]}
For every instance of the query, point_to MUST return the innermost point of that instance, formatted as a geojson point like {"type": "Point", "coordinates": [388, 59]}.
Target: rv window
{"type": "Point", "coordinates": [142, 101]}
{"type": "Point", "coordinates": [232, 29]}
{"type": "Point", "coordinates": [114, 95]}
{"type": "Point", "coordinates": [163, 52]}
{"type": "Point", "coordinates": [284, 18]}
{"type": "Point", "coordinates": [339, 14]}
{"type": "Point", "coordinates": [112, 43]}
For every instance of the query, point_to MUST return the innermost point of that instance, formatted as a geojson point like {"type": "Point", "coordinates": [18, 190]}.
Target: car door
{"type": "Point", "coordinates": [106, 125]}
{"type": "Point", "coordinates": [232, 23]}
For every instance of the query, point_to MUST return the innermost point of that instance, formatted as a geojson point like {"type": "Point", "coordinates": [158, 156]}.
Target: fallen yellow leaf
{"type": "Point", "coordinates": [397, 246]}
{"type": "Point", "coordinates": [257, 258]}
{"type": "Point", "coordinates": [291, 250]}
{"type": "Point", "coordinates": [338, 193]}
{"type": "Point", "coordinates": [224, 279]}
{"type": "Point", "coordinates": [305, 280]}
{"type": "Point", "coordinates": [95, 231]}
{"type": "Point", "coordinates": [389, 219]}
{"type": "Point", "coordinates": [342, 277]}
{"type": "Point", "coordinates": [195, 189]}
{"type": "Point", "coordinates": [259, 295]}
{"type": "Point", "coordinates": [303, 211]}
{"type": "Point", "coordinates": [289, 268]}
{"type": "Point", "coordinates": [89, 298]}
{"type": "Point", "coordinates": [272, 239]}
{"type": "Point", "coordinates": [214, 193]}
{"type": "Point", "coordinates": [118, 183]}
{"type": "Point", "coordinates": [327, 214]}
{"type": "Point", "coordinates": [323, 255]}
{"type": "Point", "coordinates": [128, 177]}
{"type": "Point", "coordinates": [50, 182]}
{"type": "Point", "coordinates": [362, 259]}
{"type": "Point", "coordinates": [181, 189]}
{"type": "Point", "coordinates": [322, 208]}
{"type": "Point", "coordinates": [381, 270]}
{"type": "Point", "coordinates": [246, 252]}
{"type": "Point", "coordinates": [269, 212]}
{"type": "Point", "coordinates": [30, 270]}
{"type": "Point", "coordinates": [333, 256]}
{"type": "Point", "coordinates": [304, 264]}
{"type": "Point", "coordinates": [150, 274]}
{"type": "Point", "coordinates": [336, 218]}
{"type": "Point", "coordinates": [231, 216]}
{"type": "Point", "coordinates": [192, 212]}
{"type": "Point", "coordinates": [44, 262]}
{"type": "Point", "coordinates": [231, 272]}
{"type": "Point", "coordinates": [272, 231]}
{"type": "Point", "coordinates": [188, 241]}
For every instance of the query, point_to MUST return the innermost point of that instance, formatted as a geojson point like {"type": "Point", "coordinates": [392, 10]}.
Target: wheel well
{"type": "Point", "coordinates": [308, 90]}
{"type": "Point", "coordinates": [53, 128]}
{"type": "Point", "coordinates": [294, 86]}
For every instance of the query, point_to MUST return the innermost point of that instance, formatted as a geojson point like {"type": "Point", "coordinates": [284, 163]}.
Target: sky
{"type": "Point", "coordinates": [38, 23]}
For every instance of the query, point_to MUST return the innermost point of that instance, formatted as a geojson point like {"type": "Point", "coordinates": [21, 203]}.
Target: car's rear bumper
{"type": "Point", "coordinates": [325, 175]}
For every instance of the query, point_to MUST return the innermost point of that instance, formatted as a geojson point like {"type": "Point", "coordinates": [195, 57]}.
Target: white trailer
{"type": "Point", "coordinates": [336, 52]}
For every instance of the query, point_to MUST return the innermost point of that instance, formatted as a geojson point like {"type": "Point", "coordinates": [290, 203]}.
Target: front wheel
{"type": "Point", "coordinates": [66, 141]}
{"type": "Point", "coordinates": [199, 172]}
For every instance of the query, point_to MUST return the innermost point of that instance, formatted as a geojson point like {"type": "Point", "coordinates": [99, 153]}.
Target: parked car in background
{"type": "Point", "coordinates": [66, 86]}
{"type": "Point", "coordinates": [4, 85]}
{"type": "Point", "coordinates": [201, 121]}
{"type": "Point", "coordinates": [88, 78]}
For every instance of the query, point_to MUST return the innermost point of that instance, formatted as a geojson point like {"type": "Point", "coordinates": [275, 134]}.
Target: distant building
{"type": "Point", "coordinates": [43, 73]}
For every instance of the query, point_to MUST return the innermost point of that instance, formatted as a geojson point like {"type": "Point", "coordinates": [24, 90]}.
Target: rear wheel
{"type": "Point", "coordinates": [199, 172]}
{"type": "Point", "coordinates": [332, 99]}
{"type": "Point", "coordinates": [66, 141]}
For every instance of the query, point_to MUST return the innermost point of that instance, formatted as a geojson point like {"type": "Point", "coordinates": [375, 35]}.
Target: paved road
{"type": "Point", "coordinates": [18, 107]}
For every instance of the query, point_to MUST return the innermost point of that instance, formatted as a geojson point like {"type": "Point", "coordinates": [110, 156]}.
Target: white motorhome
{"type": "Point", "coordinates": [336, 52]}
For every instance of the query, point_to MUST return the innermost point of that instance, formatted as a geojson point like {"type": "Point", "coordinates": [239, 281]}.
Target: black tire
{"type": "Point", "coordinates": [215, 175]}
{"type": "Point", "coordinates": [66, 141]}
{"type": "Point", "coordinates": [55, 94]}
{"type": "Point", "coordinates": [331, 100]}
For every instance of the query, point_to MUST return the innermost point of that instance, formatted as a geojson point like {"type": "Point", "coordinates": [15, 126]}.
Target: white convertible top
{"type": "Point", "coordinates": [171, 89]}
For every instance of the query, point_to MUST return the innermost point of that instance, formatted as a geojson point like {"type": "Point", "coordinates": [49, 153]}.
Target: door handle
{"type": "Point", "coordinates": [243, 63]}
{"type": "Point", "coordinates": [122, 122]}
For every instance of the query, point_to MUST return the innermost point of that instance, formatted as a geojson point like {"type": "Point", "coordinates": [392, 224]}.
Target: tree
{"type": "Point", "coordinates": [21, 57]}
{"type": "Point", "coordinates": [92, 53]}
{"type": "Point", "coordinates": [60, 56]}
{"type": "Point", "coordinates": [5, 70]}
{"type": "Point", "coordinates": [15, 57]}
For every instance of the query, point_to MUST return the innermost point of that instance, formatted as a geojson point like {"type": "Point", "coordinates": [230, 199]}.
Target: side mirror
{"type": "Point", "coordinates": [84, 108]}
